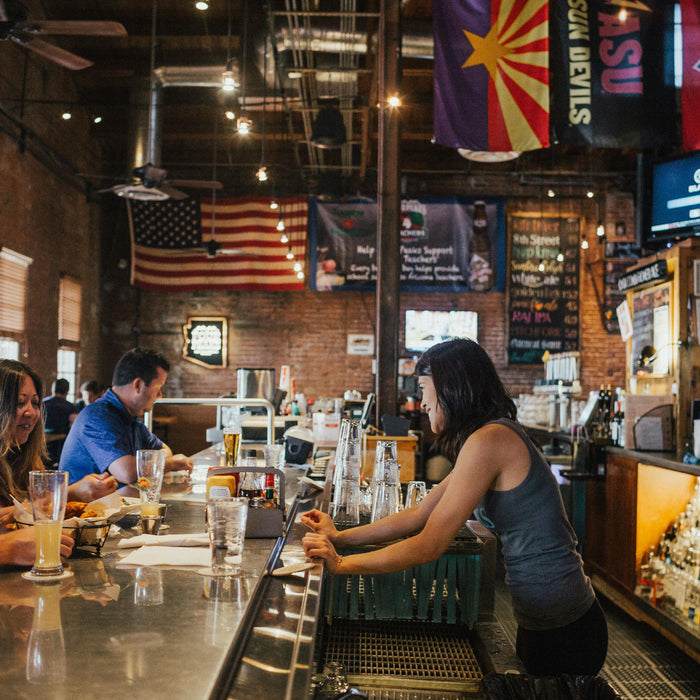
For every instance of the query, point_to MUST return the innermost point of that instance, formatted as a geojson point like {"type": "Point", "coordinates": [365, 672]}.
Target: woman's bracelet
{"type": "Point", "coordinates": [338, 561]}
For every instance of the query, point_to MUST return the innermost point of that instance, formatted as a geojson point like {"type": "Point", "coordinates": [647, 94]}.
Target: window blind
{"type": "Point", "coordinates": [13, 290]}
{"type": "Point", "coordinates": [69, 308]}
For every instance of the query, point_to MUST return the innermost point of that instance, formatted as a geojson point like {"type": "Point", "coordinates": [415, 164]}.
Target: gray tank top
{"type": "Point", "coordinates": [544, 572]}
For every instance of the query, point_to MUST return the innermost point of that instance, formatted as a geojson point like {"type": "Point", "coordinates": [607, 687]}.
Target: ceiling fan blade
{"type": "Point", "coordinates": [198, 184]}
{"type": "Point", "coordinates": [53, 53]}
{"type": "Point", "coordinates": [74, 28]}
{"type": "Point", "coordinates": [172, 192]}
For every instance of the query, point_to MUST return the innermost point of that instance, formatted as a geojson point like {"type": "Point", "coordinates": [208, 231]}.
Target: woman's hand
{"type": "Point", "coordinates": [18, 547]}
{"type": "Point", "coordinates": [320, 523]}
{"type": "Point", "coordinates": [319, 547]}
{"type": "Point", "coordinates": [91, 487]}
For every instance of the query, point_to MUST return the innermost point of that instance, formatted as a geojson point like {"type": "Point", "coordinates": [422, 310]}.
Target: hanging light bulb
{"type": "Point", "coordinates": [290, 255]}
{"type": "Point", "coordinates": [541, 266]}
{"type": "Point", "coordinates": [262, 173]}
{"type": "Point", "coordinates": [280, 224]}
{"type": "Point", "coordinates": [584, 242]}
{"type": "Point", "coordinates": [284, 238]}
{"type": "Point", "coordinates": [228, 82]}
{"type": "Point", "coordinates": [297, 266]}
{"type": "Point", "coordinates": [230, 114]}
{"type": "Point", "coordinates": [551, 193]}
{"type": "Point", "coordinates": [590, 194]}
{"type": "Point", "coordinates": [300, 275]}
{"type": "Point", "coordinates": [244, 125]}
{"type": "Point", "coordinates": [560, 257]}
{"type": "Point", "coordinates": [394, 101]}
{"type": "Point", "coordinates": [66, 114]}
{"type": "Point", "coordinates": [202, 5]}
{"type": "Point", "coordinates": [274, 205]}
{"type": "Point", "coordinates": [600, 229]}
{"type": "Point", "coordinates": [97, 119]}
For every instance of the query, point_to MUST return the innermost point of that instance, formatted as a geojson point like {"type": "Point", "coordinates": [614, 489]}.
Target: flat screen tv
{"type": "Point", "coordinates": [425, 328]}
{"type": "Point", "coordinates": [675, 199]}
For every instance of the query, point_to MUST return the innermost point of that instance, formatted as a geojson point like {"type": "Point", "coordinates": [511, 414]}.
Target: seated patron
{"type": "Point", "coordinates": [22, 449]}
{"type": "Point", "coordinates": [59, 413]}
{"type": "Point", "coordinates": [89, 392]}
{"type": "Point", "coordinates": [106, 434]}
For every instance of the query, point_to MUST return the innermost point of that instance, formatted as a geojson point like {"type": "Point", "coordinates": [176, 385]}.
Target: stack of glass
{"type": "Point", "coordinates": [346, 479]}
{"type": "Point", "coordinates": [386, 487]}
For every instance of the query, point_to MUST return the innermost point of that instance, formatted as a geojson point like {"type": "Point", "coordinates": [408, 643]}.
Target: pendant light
{"type": "Point", "coordinates": [328, 130]}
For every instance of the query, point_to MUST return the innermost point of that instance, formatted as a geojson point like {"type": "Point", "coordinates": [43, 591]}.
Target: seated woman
{"type": "Point", "coordinates": [22, 449]}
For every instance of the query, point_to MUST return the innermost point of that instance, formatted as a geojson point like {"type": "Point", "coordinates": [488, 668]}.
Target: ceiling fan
{"type": "Point", "coordinates": [15, 27]}
{"type": "Point", "coordinates": [150, 184]}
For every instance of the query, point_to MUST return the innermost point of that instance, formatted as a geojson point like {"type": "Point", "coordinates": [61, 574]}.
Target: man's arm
{"type": "Point", "coordinates": [178, 462]}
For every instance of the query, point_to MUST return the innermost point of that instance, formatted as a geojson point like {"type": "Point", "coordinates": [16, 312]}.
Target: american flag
{"type": "Point", "coordinates": [169, 242]}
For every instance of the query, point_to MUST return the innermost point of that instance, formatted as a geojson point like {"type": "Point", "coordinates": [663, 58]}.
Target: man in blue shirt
{"type": "Point", "coordinates": [107, 433]}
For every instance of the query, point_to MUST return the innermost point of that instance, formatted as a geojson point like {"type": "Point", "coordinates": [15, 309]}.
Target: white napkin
{"type": "Point", "coordinates": [193, 540]}
{"type": "Point", "coordinates": [168, 556]}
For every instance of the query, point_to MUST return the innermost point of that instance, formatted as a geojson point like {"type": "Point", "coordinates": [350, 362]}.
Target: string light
{"type": "Point", "coordinates": [300, 275]}
{"type": "Point", "coordinates": [297, 266]}
{"type": "Point", "coordinates": [290, 255]}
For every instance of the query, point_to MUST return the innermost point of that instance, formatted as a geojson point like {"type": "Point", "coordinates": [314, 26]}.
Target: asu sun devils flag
{"type": "Point", "coordinates": [168, 240]}
{"type": "Point", "coordinates": [491, 74]}
{"type": "Point", "coordinates": [612, 81]}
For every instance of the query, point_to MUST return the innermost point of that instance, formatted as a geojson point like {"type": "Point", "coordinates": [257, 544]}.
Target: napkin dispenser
{"type": "Point", "coordinates": [261, 522]}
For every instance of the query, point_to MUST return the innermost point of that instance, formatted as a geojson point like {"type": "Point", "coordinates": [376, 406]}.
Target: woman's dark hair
{"type": "Point", "coordinates": [16, 461]}
{"type": "Point", "coordinates": [468, 390]}
{"type": "Point", "coordinates": [138, 363]}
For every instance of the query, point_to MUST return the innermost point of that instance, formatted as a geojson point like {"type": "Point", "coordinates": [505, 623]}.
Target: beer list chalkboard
{"type": "Point", "coordinates": [543, 291]}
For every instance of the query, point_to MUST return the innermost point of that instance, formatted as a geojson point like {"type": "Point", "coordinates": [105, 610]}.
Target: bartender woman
{"type": "Point", "coordinates": [500, 477]}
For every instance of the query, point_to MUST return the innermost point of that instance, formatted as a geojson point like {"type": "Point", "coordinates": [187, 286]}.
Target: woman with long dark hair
{"type": "Point", "coordinates": [502, 479]}
{"type": "Point", "coordinates": [22, 443]}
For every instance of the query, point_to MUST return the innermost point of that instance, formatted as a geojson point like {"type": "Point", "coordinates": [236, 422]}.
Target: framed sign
{"type": "Point", "coordinates": [206, 340]}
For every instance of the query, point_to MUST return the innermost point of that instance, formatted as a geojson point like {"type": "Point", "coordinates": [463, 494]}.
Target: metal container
{"type": "Point", "coordinates": [255, 383]}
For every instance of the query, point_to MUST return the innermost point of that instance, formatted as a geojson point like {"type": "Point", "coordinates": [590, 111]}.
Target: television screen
{"type": "Point", "coordinates": [425, 328]}
{"type": "Point", "coordinates": [675, 198]}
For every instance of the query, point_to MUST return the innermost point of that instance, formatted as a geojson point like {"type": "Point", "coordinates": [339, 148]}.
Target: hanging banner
{"type": "Point", "coordinates": [690, 92]}
{"type": "Point", "coordinates": [612, 82]}
{"type": "Point", "coordinates": [491, 74]}
{"type": "Point", "coordinates": [543, 291]}
{"type": "Point", "coordinates": [446, 245]}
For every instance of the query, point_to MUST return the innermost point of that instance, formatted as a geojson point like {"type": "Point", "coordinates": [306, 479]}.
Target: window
{"type": "Point", "coordinates": [13, 292]}
{"type": "Point", "coordinates": [66, 364]}
{"type": "Point", "coordinates": [69, 310]}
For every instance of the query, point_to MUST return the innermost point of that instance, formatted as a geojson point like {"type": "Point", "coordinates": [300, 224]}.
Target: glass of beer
{"type": "Point", "coordinates": [232, 441]}
{"type": "Point", "coordinates": [48, 492]}
{"type": "Point", "coordinates": [150, 465]}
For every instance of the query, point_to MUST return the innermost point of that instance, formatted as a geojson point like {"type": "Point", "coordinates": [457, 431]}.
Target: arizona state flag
{"type": "Point", "coordinates": [690, 92]}
{"type": "Point", "coordinates": [491, 74]}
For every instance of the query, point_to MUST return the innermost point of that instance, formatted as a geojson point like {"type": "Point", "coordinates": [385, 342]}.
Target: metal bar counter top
{"type": "Point", "coordinates": [114, 631]}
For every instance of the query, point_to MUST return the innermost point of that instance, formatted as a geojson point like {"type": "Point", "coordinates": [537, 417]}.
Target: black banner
{"type": "Point", "coordinates": [441, 247]}
{"type": "Point", "coordinates": [542, 287]}
{"type": "Point", "coordinates": [612, 82]}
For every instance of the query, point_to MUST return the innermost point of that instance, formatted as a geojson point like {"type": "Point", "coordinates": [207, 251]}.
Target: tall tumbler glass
{"type": "Point", "coordinates": [150, 465]}
{"type": "Point", "coordinates": [346, 502]}
{"type": "Point", "coordinates": [341, 448]}
{"type": "Point", "coordinates": [48, 491]}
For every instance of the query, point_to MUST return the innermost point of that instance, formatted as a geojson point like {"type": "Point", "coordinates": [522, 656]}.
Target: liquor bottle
{"type": "Point", "coordinates": [615, 425]}
{"type": "Point", "coordinates": [480, 263]}
{"type": "Point", "coordinates": [608, 405]}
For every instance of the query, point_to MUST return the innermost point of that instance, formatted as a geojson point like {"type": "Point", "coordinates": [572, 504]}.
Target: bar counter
{"type": "Point", "coordinates": [156, 632]}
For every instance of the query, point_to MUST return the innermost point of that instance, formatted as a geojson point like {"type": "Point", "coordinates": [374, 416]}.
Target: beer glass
{"type": "Point", "coordinates": [48, 491]}
{"type": "Point", "coordinates": [232, 441]}
{"type": "Point", "coordinates": [150, 465]}
{"type": "Point", "coordinates": [415, 493]}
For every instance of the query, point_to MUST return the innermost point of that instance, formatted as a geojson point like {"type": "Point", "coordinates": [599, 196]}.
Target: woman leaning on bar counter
{"type": "Point", "coordinates": [22, 448]}
{"type": "Point", "coordinates": [501, 478]}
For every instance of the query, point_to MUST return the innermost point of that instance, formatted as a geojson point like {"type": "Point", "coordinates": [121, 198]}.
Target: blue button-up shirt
{"type": "Point", "coordinates": [103, 432]}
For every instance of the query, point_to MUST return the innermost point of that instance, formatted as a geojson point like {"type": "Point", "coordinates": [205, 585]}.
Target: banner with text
{"type": "Point", "coordinates": [612, 80]}
{"type": "Point", "coordinates": [543, 288]}
{"type": "Point", "coordinates": [446, 245]}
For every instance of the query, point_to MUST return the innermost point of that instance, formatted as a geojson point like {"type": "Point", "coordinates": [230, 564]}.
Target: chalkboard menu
{"type": "Point", "coordinates": [613, 297]}
{"type": "Point", "coordinates": [543, 287]}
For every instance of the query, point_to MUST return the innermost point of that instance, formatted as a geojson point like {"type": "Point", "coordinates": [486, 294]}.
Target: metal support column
{"type": "Point", "coordinates": [388, 212]}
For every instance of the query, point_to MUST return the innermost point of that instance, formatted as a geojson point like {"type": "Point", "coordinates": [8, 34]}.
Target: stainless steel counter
{"type": "Point", "coordinates": [183, 644]}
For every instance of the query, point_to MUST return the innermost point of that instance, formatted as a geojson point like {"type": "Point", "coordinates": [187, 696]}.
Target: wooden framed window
{"type": "Point", "coordinates": [13, 292]}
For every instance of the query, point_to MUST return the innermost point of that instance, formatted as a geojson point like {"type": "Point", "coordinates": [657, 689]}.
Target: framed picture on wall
{"type": "Point", "coordinates": [206, 340]}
